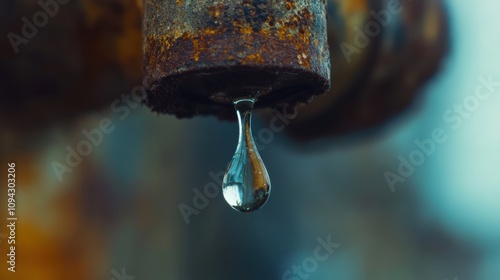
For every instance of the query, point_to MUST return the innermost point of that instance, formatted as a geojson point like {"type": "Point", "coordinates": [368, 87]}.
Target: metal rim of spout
{"type": "Point", "coordinates": [193, 53]}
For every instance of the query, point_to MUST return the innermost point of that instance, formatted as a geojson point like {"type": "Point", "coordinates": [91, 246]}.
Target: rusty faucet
{"type": "Point", "coordinates": [198, 55]}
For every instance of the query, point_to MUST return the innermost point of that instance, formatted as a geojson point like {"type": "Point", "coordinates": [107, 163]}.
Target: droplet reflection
{"type": "Point", "coordinates": [246, 185]}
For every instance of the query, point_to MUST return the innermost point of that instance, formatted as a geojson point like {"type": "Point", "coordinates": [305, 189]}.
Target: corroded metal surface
{"type": "Point", "coordinates": [199, 54]}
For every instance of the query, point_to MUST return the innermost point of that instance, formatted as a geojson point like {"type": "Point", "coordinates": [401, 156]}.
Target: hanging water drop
{"type": "Point", "coordinates": [246, 185]}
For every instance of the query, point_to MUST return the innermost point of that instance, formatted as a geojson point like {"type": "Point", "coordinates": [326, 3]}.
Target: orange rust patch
{"type": "Point", "coordinates": [289, 5]}
{"type": "Point", "coordinates": [257, 41]}
{"type": "Point", "coordinates": [216, 11]}
{"type": "Point", "coordinates": [293, 31]}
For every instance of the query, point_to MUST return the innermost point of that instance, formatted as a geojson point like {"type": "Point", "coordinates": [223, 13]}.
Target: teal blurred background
{"type": "Point", "coordinates": [119, 208]}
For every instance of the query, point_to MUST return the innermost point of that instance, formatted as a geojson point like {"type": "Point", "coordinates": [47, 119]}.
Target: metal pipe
{"type": "Point", "coordinates": [198, 55]}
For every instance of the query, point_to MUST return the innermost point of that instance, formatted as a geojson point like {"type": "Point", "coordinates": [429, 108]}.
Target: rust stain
{"type": "Point", "coordinates": [294, 30]}
{"type": "Point", "coordinates": [256, 33]}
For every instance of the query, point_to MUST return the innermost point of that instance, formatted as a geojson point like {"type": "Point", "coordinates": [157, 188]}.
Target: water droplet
{"type": "Point", "coordinates": [246, 185]}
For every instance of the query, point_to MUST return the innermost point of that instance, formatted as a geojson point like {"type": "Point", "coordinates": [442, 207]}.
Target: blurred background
{"type": "Point", "coordinates": [117, 213]}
